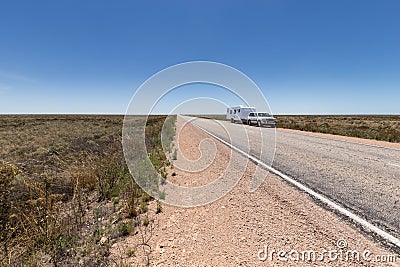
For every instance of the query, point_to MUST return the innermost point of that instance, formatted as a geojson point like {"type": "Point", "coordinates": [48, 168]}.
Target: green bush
{"type": "Point", "coordinates": [159, 208]}
{"type": "Point", "coordinates": [123, 229]}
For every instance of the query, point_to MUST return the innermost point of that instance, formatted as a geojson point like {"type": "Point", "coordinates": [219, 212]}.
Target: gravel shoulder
{"type": "Point", "coordinates": [232, 230]}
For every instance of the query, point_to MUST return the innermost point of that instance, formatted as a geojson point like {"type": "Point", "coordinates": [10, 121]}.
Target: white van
{"type": "Point", "coordinates": [239, 113]}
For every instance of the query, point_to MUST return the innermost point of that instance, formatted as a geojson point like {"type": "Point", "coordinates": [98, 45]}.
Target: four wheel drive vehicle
{"type": "Point", "coordinates": [261, 118]}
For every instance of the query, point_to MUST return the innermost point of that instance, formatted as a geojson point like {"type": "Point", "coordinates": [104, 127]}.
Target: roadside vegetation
{"type": "Point", "coordinates": [378, 127]}
{"type": "Point", "coordinates": [156, 143]}
{"type": "Point", "coordinates": [384, 128]}
{"type": "Point", "coordinates": [66, 194]}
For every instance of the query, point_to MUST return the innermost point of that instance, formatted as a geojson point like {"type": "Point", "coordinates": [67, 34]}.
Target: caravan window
{"type": "Point", "coordinates": [234, 111]}
{"type": "Point", "coordinates": [238, 110]}
{"type": "Point", "coordinates": [230, 111]}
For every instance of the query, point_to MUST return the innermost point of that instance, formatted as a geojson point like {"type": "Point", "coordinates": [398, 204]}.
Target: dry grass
{"type": "Point", "coordinates": [65, 190]}
{"type": "Point", "coordinates": [384, 128]}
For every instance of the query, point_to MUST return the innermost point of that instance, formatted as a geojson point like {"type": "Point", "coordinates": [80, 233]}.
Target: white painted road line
{"type": "Point", "coordinates": [388, 237]}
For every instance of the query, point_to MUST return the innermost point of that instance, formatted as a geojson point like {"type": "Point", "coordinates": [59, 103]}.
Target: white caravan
{"type": "Point", "coordinates": [248, 115]}
{"type": "Point", "coordinates": [239, 113]}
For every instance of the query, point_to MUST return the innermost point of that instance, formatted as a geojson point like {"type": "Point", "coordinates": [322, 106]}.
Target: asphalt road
{"type": "Point", "coordinates": [364, 179]}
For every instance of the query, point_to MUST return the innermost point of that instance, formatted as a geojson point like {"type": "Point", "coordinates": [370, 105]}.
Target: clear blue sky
{"type": "Point", "coordinates": [310, 56]}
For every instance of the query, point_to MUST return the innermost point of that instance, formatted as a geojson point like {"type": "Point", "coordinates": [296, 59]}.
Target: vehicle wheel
{"type": "Point", "coordinates": [232, 120]}
{"type": "Point", "coordinates": [249, 122]}
{"type": "Point", "coordinates": [259, 123]}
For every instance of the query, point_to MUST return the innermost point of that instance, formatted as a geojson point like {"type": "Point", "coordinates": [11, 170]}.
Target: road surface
{"type": "Point", "coordinates": [362, 178]}
{"type": "Point", "coordinates": [236, 229]}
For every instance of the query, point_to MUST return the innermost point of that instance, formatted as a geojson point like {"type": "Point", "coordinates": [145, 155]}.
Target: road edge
{"type": "Point", "coordinates": [332, 205]}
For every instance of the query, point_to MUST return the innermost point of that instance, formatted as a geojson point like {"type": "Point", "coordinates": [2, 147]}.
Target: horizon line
{"type": "Point", "coordinates": [275, 114]}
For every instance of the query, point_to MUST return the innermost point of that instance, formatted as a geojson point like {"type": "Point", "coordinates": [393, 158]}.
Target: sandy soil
{"type": "Point", "coordinates": [197, 153]}
{"type": "Point", "coordinates": [233, 230]}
